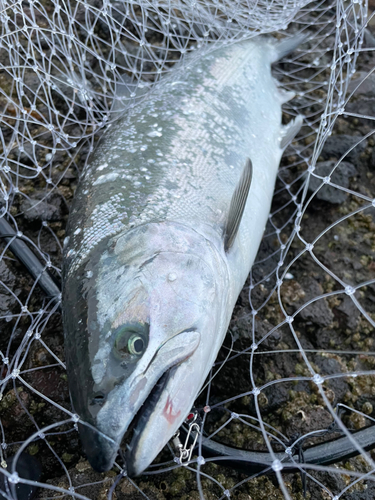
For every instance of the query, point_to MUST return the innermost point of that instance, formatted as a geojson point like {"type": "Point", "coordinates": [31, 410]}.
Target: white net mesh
{"type": "Point", "coordinates": [298, 355]}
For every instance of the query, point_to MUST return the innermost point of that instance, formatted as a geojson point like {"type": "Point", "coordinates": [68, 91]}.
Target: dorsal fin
{"type": "Point", "coordinates": [237, 205]}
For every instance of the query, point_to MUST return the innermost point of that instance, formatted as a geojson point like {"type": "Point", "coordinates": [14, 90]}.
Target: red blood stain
{"type": "Point", "coordinates": [168, 412]}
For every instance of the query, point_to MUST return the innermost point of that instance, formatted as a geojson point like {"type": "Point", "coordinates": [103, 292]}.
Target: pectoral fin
{"type": "Point", "coordinates": [237, 205]}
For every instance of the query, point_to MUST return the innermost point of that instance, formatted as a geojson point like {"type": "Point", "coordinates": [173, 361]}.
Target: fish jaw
{"type": "Point", "coordinates": [124, 401]}
{"type": "Point", "coordinates": [158, 424]}
{"type": "Point", "coordinates": [170, 283]}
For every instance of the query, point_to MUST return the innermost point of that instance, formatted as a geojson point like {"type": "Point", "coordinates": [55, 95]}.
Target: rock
{"type": "Point", "coordinates": [308, 419]}
{"type": "Point", "coordinates": [37, 210]}
{"type": "Point", "coordinates": [25, 153]}
{"type": "Point", "coordinates": [366, 88]}
{"type": "Point", "coordinates": [331, 366]}
{"type": "Point", "coordinates": [7, 299]}
{"type": "Point", "coordinates": [340, 176]}
{"type": "Point", "coordinates": [317, 312]}
{"type": "Point", "coordinates": [362, 106]}
{"type": "Point", "coordinates": [349, 313]}
{"type": "Point", "coordinates": [337, 146]}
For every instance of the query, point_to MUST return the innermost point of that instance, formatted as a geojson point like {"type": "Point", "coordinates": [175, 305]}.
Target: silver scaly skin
{"type": "Point", "coordinates": [148, 287]}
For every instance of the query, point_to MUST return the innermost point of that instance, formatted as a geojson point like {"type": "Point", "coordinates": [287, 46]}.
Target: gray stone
{"type": "Point", "coordinates": [338, 146]}
{"type": "Point", "coordinates": [340, 177]}
{"type": "Point", "coordinates": [7, 299]}
{"type": "Point", "coordinates": [35, 210]}
{"type": "Point", "coordinates": [366, 84]}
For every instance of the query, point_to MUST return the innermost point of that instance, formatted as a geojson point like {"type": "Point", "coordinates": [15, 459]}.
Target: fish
{"type": "Point", "coordinates": [165, 225]}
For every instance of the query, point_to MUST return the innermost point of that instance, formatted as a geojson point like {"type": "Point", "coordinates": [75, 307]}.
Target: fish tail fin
{"type": "Point", "coordinates": [288, 45]}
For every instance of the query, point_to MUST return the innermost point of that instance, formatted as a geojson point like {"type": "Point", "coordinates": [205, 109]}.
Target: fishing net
{"type": "Point", "coordinates": [297, 366]}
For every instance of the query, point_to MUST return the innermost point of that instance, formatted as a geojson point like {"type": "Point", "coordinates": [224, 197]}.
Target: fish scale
{"type": "Point", "coordinates": [145, 259]}
{"type": "Point", "coordinates": [204, 140]}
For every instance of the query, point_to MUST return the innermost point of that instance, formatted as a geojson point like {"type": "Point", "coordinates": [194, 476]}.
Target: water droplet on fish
{"type": "Point", "coordinates": [172, 277]}
{"type": "Point", "coordinates": [154, 133]}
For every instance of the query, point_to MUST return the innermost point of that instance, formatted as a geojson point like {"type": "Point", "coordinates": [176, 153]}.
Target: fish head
{"type": "Point", "coordinates": [155, 317]}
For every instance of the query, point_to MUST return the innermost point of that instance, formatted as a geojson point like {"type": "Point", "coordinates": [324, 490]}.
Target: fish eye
{"type": "Point", "coordinates": [129, 343]}
{"type": "Point", "coordinates": [136, 345]}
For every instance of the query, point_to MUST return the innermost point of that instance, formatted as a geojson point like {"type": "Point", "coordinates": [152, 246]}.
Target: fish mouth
{"type": "Point", "coordinates": [101, 450]}
{"type": "Point", "coordinates": [146, 409]}
{"type": "Point", "coordinates": [139, 423]}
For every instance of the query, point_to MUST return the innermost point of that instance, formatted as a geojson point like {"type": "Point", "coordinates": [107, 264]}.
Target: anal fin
{"type": "Point", "coordinates": [237, 205]}
{"type": "Point", "coordinates": [290, 131]}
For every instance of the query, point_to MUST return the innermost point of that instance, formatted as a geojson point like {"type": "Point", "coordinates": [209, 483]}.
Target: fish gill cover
{"type": "Point", "coordinates": [297, 365]}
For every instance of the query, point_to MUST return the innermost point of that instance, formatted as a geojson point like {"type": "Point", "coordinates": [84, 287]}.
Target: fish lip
{"type": "Point", "coordinates": [139, 421]}
{"type": "Point", "coordinates": [101, 451]}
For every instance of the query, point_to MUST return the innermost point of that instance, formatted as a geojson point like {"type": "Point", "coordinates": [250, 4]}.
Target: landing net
{"type": "Point", "coordinates": [297, 365]}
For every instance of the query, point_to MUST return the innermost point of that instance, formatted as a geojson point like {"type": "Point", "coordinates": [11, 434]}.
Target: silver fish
{"type": "Point", "coordinates": [161, 238]}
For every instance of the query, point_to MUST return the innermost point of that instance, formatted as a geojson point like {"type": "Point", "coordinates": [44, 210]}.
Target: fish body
{"type": "Point", "coordinates": [149, 287]}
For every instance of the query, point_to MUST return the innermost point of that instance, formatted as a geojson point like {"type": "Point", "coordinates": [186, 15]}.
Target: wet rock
{"type": "Point", "coordinates": [340, 176]}
{"type": "Point", "coordinates": [338, 146]}
{"type": "Point", "coordinates": [318, 311]}
{"type": "Point", "coordinates": [38, 210]}
{"type": "Point", "coordinates": [349, 313]}
{"type": "Point", "coordinates": [8, 282]}
{"type": "Point", "coordinates": [50, 383]}
{"type": "Point", "coordinates": [330, 366]}
{"type": "Point", "coordinates": [308, 419]}
{"type": "Point", "coordinates": [366, 84]}
{"type": "Point", "coordinates": [13, 413]}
